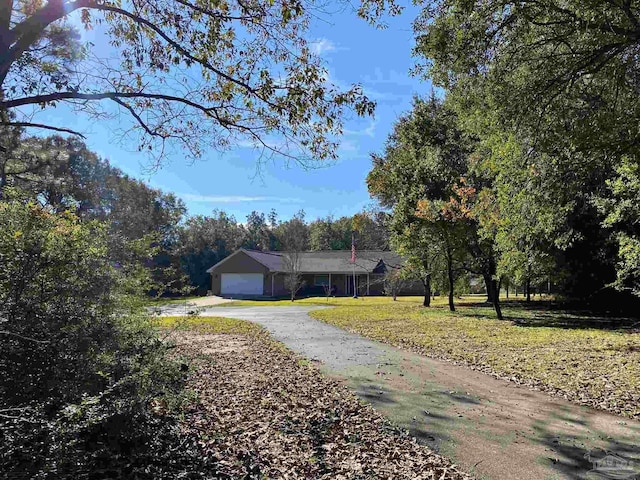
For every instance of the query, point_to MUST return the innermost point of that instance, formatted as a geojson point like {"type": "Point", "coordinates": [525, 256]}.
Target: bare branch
{"type": "Point", "coordinates": [41, 125]}
{"type": "Point", "coordinates": [29, 339]}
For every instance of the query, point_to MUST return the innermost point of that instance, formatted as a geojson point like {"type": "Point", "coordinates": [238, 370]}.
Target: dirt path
{"type": "Point", "coordinates": [492, 428]}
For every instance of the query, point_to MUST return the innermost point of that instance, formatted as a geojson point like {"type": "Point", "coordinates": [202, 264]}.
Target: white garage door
{"type": "Point", "coordinates": [242, 283]}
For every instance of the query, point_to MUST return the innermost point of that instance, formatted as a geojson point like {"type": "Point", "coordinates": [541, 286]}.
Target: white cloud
{"type": "Point", "coordinates": [322, 46]}
{"type": "Point", "coordinates": [234, 198]}
{"type": "Point", "coordinates": [390, 77]}
{"type": "Point", "coordinates": [369, 131]}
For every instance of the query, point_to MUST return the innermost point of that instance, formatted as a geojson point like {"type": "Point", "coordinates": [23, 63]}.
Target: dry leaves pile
{"type": "Point", "coordinates": [263, 413]}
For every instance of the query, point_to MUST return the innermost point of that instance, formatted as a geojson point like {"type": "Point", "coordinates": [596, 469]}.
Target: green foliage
{"type": "Point", "coordinates": [81, 362]}
{"type": "Point", "coordinates": [252, 74]}
{"type": "Point", "coordinates": [203, 241]}
{"type": "Point", "coordinates": [622, 209]}
{"type": "Point", "coordinates": [65, 175]}
{"type": "Point", "coordinates": [293, 235]}
{"type": "Point", "coordinates": [440, 200]}
{"type": "Point", "coordinates": [550, 90]}
{"type": "Point", "coordinates": [330, 234]}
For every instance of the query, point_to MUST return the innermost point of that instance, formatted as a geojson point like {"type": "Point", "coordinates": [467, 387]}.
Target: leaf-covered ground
{"type": "Point", "coordinates": [262, 412]}
{"type": "Point", "coordinates": [577, 356]}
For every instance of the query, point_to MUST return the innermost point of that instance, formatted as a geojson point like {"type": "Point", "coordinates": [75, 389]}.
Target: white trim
{"type": "Point", "coordinates": [242, 250]}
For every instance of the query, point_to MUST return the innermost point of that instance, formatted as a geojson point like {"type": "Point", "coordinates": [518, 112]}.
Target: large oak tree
{"type": "Point", "coordinates": [201, 74]}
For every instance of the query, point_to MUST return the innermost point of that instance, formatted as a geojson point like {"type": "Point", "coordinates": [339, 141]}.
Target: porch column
{"type": "Point", "coordinates": [272, 276]}
{"type": "Point", "coordinates": [367, 284]}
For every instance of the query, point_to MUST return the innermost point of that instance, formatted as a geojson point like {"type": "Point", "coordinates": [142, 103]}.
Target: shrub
{"type": "Point", "coordinates": [86, 383]}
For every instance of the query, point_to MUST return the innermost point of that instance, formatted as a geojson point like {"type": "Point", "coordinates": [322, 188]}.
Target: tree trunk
{"type": "Point", "coordinates": [495, 287]}
{"type": "Point", "coordinates": [427, 291]}
{"type": "Point", "coordinates": [452, 307]}
{"type": "Point", "coordinates": [488, 287]}
{"type": "Point", "coordinates": [528, 288]}
{"type": "Point", "coordinates": [507, 290]}
{"type": "Point", "coordinates": [3, 182]}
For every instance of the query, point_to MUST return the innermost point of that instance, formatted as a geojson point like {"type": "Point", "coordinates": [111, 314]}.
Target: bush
{"type": "Point", "coordinates": [86, 383]}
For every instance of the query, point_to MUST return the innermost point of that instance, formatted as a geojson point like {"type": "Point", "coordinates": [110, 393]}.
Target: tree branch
{"type": "Point", "coordinates": [25, 33]}
{"type": "Point", "coordinates": [41, 125]}
{"type": "Point", "coordinates": [29, 339]}
{"type": "Point", "coordinates": [180, 49]}
{"type": "Point", "coordinates": [54, 97]}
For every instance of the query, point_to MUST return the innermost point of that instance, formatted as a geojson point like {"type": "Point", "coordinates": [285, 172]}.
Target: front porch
{"type": "Point", "coordinates": [342, 284]}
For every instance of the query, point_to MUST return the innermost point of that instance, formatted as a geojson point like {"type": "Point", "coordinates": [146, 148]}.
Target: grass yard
{"type": "Point", "coordinates": [210, 325]}
{"type": "Point", "coordinates": [262, 412]}
{"type": "Point", "coordinates": [325, 301]}
{"type": "Point", "coordinates": [588, 359]}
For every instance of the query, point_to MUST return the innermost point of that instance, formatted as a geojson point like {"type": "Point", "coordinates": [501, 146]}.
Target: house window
{"type": "Point", "coordinates": [320, 280]}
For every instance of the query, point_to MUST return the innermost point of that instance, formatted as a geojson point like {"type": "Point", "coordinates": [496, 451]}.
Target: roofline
{"type": "Point", "coordinates": [332, 272]}
{"type": "Point", "coordinates": [280, 253]}
{"type": "Point", "coordinates": [240, 250]}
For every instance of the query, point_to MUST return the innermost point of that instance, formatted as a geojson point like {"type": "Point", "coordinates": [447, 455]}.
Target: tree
{"type": "Point", "coordinates": [295, 240]}
{"type": "Point", "coordinates": [622, 210]}
{"type": "Point", "coordinates": [394, 281]}
{"type": "Point", "coordinates": [561, 72]}
{"type": "Point", "coordinates": [193, 74]}
{"type": "Point", "coordinates": [427, 176]}
{"type": "Point", "coordinates": [204, 241]}
{"type": "Point", "coordinates": [293, 281]}
{"type": "Point", "coordinates": [550, 89]}
{"type": "Point", "coordinates": [79, 356]}
{"type": "Point", "coordinates": [259, 236]}
{"type": "Point", "coordinates": [330, 234]}
{"type": "Point", "coordinates": [450, 231]}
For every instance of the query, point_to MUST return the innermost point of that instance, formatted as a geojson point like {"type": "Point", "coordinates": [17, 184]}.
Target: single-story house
{"type": "Point", "coordinates": [254, 273]}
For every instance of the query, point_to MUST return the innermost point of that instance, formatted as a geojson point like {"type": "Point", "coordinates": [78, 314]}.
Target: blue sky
{"type": "Point", "coordinates": [354, 52]}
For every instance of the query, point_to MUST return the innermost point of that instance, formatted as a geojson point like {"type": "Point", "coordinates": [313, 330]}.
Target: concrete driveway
{"type": "Point", "coordinates": [493, 428]}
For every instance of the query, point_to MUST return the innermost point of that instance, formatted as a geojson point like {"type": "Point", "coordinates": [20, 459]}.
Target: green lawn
{"type": "Point", "coordinates": [213, 325]}
{"type": "Point", "coordinates": [331, 301]}
{"type": "Point", "coordinates": [578, 355]}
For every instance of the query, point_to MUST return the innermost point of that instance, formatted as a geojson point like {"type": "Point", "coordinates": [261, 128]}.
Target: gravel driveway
{"type": "Point", "coordinates": [492, 428]}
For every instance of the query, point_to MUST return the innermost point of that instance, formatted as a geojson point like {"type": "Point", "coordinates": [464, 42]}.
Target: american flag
{"type": "Point", "coordinates": [353, 248]}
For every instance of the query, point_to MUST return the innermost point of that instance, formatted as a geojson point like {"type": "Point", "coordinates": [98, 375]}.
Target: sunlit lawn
{"type": "Point", "coordinates": [214, 325]}
{"type": "Point", "coordinates": [331, 301]}
{"type": "Point", "coordinates": [580, 355]}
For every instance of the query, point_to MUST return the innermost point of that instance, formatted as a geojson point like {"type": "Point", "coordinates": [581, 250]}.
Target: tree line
{"type": "Point", "coordinates": [63, 175]}
{"type": "Point", "coordinates": [524, 166]}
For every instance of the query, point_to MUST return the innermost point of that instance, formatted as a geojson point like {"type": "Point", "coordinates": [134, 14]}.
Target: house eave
{"type": "Point", "coordinates": [241, 250]}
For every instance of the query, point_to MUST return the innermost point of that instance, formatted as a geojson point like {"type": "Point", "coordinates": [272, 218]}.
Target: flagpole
{"type": "Point", "coordinates": [353, 262]}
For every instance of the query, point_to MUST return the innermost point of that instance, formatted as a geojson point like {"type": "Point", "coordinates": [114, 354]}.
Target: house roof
{"type": "Point", "coordinates": [325, 261]}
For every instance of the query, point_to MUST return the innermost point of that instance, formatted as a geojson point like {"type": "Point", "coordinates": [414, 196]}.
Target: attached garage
{"type": "Point", "coordinates": [242, 284]}
{"type": "Point", "coordinates": [241, 275]}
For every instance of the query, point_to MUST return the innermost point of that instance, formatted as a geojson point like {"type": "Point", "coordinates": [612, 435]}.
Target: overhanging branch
{"type": "Point", "coordinates": [41, 125]}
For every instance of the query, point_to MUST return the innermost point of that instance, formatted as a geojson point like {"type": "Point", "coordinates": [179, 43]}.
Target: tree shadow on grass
{"type": "Point", "coordinates": [424, 414]}
{"type": "Point", "coordinates": [575, 455]}
{"type": "Point", "coordinates": [552, 314]}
